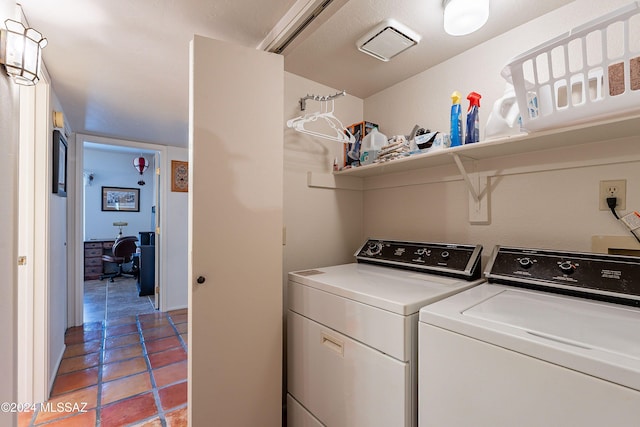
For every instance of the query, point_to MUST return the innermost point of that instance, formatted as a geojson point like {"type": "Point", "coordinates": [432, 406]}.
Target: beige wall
{"type": "Point", "coordinates": [175, 238]}
{"type": "Point", "coordinates": [547, 199]}
{"type": "Point", "coordinates": [323, 226]}
{"type": "Point", "coordinates": [9, 122]}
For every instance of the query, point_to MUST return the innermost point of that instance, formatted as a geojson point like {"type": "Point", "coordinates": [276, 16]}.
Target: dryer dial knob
{"type": "Point", "coordinates": [525, 262]}
{"type": "Point", "coordinates": [374, 248]}
{"type": "Point", "coordinates": [567, 267]}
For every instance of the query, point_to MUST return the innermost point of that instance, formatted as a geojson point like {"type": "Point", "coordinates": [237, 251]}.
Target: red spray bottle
{"type": "Point", "coordinates": [473, 119]}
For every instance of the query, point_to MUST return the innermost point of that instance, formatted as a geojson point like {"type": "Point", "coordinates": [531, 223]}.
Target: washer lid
{"type": "Point", "coordinates": [597, 338]}
{"type": "Point", "coordinates": [581, 323]}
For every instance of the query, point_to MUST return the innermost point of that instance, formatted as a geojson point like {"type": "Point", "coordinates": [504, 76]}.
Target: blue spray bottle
{"type": "Point", "coordinates": [456, 119]}
{"type": "Point", "coordinates": [473, 126]}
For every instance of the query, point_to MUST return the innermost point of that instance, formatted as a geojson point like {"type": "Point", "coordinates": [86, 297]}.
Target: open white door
{"type": "Point", "coordinates": [235, 235]}
{"type": "Point", "coordinates": [156, 221]}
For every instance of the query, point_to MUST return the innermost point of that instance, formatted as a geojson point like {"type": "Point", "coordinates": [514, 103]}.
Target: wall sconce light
{"type": "Point", "coordinates": [141, 164]}
{"type": "Point", "coordinates": [88, 178]}
{"type": "Point", "coordinates": [21, 52]}
{"type": "Point", "coordinates": [462, 17]}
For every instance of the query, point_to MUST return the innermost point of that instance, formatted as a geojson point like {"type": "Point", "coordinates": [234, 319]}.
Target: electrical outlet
{"type": "Point", "coordinates": [615, 188]}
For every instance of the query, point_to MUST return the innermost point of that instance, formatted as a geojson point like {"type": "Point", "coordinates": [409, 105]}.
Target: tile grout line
{"type": "Point", "coordinates": [185, 348]}
{"type": "Point", "coordinates": [103, 347]}
{"type": "Point", "coordinates": [106, 302]}
{"type": "Point", "coordinates": [184, 345]}
{"type": "Point", "coordinates": [154, 388]}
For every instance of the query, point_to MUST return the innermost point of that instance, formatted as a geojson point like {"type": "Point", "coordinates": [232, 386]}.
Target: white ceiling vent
{"type": "Point", "coordinates": [387, 40]}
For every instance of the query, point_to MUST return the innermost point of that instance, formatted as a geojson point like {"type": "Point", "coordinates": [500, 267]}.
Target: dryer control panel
{"type": "Point", "coordinates": [608, 277]}
{"type": "Point", "coordinates": [462, 261]}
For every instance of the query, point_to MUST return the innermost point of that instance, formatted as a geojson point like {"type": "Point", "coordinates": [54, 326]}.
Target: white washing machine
{"type": "Point", "coordinates": [352, 331]}
{"type": "Point", "coordinates": [552, 340]}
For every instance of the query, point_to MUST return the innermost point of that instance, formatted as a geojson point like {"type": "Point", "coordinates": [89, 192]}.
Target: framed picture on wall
{"type": "Point", "coordinates": [179, 176]}
{"type": "Point", "coordinates": [59, 176]}
{"type": "Point", "coordinates": [120, 199]}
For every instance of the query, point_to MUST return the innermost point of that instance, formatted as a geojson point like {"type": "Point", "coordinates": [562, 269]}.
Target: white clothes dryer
{"type": "Point", "coordinates": [352, 331]}
{"type": "Point", "coordinates": [552, 340]}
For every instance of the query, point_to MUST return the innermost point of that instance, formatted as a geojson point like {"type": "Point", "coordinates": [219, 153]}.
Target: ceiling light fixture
{"type": "Point", "coordinates": [21, 52]}
{"type": "Point", "coordinates": [462, 17]}
{"type": "Point", "coordinates": [387, 39]}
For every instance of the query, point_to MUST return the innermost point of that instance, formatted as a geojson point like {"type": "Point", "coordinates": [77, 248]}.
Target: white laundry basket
{"type": "Point", "coordinates": [591, 72]}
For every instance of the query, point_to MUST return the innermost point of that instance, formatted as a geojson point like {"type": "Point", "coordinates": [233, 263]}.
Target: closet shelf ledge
{"type": "Point", "coordinates": [603, 130]}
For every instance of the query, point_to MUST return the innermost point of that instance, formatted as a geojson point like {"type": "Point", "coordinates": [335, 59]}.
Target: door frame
{"type": "Point", "coordinates": [33, 374]}
{"type": "Point", "coordinates": [76, 300]}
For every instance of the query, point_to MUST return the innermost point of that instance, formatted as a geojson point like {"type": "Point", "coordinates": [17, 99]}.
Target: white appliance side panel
{"type": "Point", "coordinates": [463, 381]}
{"type": "Point", "coordinates": [298, 416]}
{"type": "Point", "coordinates": [381, 329]}
{"type": "Point", "coordinates": [342, 382]}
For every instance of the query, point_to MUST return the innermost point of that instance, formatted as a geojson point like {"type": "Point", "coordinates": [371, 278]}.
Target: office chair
{"type": "Point", "coordinates": [122, 254]}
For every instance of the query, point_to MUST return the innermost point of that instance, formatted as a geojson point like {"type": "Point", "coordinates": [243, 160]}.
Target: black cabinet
{"type": "Point", "coordinates": [147, 267]}
{"type": "Point", "coordinates": [147, 238]}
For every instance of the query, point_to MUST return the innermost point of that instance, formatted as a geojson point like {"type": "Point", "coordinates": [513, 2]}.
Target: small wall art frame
{"type": "Point", "coordinates": [59, 174]}
{"type": "Point", "coordinates": [120, 199]}
{"type": "Point", "coordinates": [179, 176]}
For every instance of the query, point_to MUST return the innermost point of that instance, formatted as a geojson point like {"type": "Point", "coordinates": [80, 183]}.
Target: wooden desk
{"type": "Point", "coordinates": [93, 251]}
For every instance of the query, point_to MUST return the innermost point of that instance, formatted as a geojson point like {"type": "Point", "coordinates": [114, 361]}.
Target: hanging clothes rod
{"type": "Point", "coordinates": [303, 101]}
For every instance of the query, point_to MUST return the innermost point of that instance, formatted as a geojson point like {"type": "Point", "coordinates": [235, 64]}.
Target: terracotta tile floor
{"type": "Point", "coordinates": [128, 371]}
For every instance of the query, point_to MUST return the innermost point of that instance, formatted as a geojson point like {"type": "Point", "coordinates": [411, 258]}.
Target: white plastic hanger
{"type": "Point", "coordinates": [339, 134]}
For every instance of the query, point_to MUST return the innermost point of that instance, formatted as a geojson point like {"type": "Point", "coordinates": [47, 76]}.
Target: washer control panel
{"type": "Point", "coordinates": [438, 258]}
{"type": "Point", "coordinates": [600, 276]}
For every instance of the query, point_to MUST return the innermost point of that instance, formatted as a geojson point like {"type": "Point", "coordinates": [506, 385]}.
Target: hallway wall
{"type": "Point", "coordinates": [9, 109]}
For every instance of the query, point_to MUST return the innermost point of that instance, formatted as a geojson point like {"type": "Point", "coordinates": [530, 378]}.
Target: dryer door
{"type": "Point", "coordinates": [343, 382]}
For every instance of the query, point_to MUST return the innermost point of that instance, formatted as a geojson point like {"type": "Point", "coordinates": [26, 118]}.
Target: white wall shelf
{"type": "Point", "coordinates": [477, 184]}
{"type": "Point", "coordinates": [615, 128]}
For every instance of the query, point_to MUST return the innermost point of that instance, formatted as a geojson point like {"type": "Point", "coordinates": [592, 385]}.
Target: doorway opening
{"type": "Point", "coordinates": [120, 207]}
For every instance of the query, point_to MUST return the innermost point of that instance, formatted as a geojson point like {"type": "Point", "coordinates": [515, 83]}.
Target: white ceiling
{"type": "Point", "coordinates": [120, 68]}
